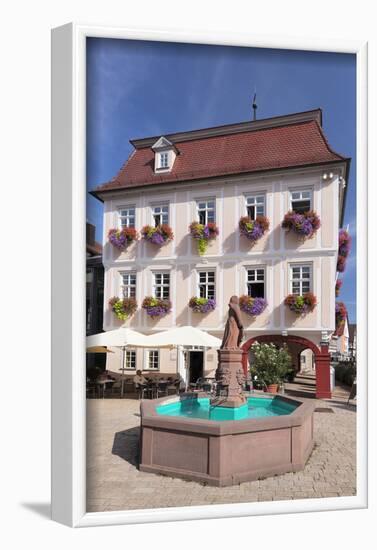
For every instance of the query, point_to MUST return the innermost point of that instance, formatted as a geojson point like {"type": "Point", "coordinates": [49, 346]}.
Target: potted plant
{"type": "Point", "coordinates": [203, 234]}
{"type": "Point", "coordinates": [252, 306]}
{"type": "Point", "coordinates": [159, 235]}
{"type": "Point", "coordinates": [156, 307]}
{"type": "Point", "coordinates": [202, 305]}
{"type": "Point", "coordinates": [338, 286]}
{"type": "Point", "coordinates": [270, 365]}
{"type": "Point", "coordinates": [121, 238]}
{"type": "Point", "coordinates": [304, 225]}
{"type": "Point", "coordinates": [340, 314]}
{"type": "Point", "coordinates": [253, 230]}
{"type": "Point", "coordinates": [301, 305]}
{"type": "Point", "coordinates": [123, 308]}
{"type": "Point", "coordinates": [343, 250]}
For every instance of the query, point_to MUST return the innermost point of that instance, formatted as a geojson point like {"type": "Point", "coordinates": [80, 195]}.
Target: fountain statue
{"type": "Point", "coordinates": [229, 374]}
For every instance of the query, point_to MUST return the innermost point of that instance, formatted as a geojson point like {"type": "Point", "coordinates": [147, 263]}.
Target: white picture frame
{"type": "Point", "coordinates": [68, 277]}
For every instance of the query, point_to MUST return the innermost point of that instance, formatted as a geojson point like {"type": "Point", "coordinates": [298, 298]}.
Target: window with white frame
{"type": "Point", "coordinates": [255, 206]}
{"type": "Point", "coordinates": [128, 284]}
{"type": "Point", "coordinates": [256, 282]}
{"type": "Point", "coordinates": [130, 359]}
{"type": "Point", "coordinates": [163, 160]}
{"type": "Point", "coordinates": [206, 211]}
{"type": "Point", "coordinates": [300, 279]}
{"type": "Point", "coordinates": [127, 216]}
{"type": "Point", "coordinates": [152, 359]}
{"type": "Point", "coordinates": [301, 201]}
{"type": "Point", "coordinates": [160, 214]}
{"type": "Point", "coordinates": [206, 284]}
{"type": "Point", "coordinates": [161, 286]}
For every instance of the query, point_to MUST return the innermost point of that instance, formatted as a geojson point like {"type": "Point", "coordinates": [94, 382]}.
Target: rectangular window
{"type": "Point", "coordinates": [164, 160]}
{"type": "Point", "coordinates": [153, 359]}
{"type": "Point", "coordinates": [255, 205]}
{"type": "Point", "coordinates": [160, 214]}
{"type": "Point", "coordinates": [301, 201]}
{"type": "Point", "coordinates": [301, 279]}
{"type": "Point", "coordinates": [256, 282]}
{"type": "Point", "coordinates": [206, 211]}
{"type": "Point", "coordinates": [162, 285]}
{"type": "Point", "coordinates": [207, 284]}
{"type": "Point", "coordinates": [130, 359]}
{"type": "Point", "coordinates": [127, 216]}
{"type": "Point", "coordinates": [129, 285]}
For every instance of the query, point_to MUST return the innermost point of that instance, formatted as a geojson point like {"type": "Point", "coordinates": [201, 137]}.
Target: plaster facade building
{"type": "Point", "coordinates": [265, 167]}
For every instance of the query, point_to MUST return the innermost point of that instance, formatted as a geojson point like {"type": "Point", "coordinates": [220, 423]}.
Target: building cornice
{"type": "Point", "coordinates": [225, 178]}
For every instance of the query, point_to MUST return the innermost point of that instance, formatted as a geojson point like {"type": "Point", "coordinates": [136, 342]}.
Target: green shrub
{"type": "Point", "coordinates": [270, 363]}
{"type": "Point", "coordinates": [345, 372]}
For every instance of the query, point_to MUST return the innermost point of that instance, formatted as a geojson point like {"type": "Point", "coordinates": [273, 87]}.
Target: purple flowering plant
{"type": "Point", "coordinates": [203, 234]}
{"type": "Point", "coordinates": [157, 235]}
{"type": "Point", "coordinates": [156, 307]}
{"type": "Point", "coordinates": [253, 229]}
{"type": "Point", "coordinates": [305, 225]}
{"type": "Point", "coordinates": [252, 306]}
{"type": "Point", "coordinates": [121, 238]}
{"type": "Point", "coordinates": [202, 305]}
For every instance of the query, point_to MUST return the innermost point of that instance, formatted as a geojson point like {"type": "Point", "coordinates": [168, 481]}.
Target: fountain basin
{"type": "Point", "coordinates": [255, 407]}
{"type": "Point", "coordinates": [224, 452]}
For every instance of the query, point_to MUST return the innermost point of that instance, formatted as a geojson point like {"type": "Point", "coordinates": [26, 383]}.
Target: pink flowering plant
{"type": "Point", "coordinates": [304, 225]}
{"type": "Point", "coordinates": [202, 305]}
{"type": "Point", "coordinates": [301, 304]}
{"type": "Point", "coordinates": [338, 286]}
{"type": "Point", "coordinates": [123, 308]}
{"type": "Point", "coordinates": [156, 307]}
{"type": "Point", "coordinates": [252, 306]}
{"type": "Point", "coordinates": [121, 238]}
{"type": "Point", "coordinates": [159, 235]}
{"type": "Point", "coordinates": [343, 250]}
{"type": "Point", "coordinates": [203, 234]}
{"type": "Point", "coordinates": [253, 230]}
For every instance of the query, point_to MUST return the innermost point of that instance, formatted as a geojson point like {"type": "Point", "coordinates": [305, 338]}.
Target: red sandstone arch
{"type": "Point", "coordinates": [321, 355]}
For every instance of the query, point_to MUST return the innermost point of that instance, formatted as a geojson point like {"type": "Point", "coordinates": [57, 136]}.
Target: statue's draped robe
{"type": "Point", "coordinates": [233, 332]}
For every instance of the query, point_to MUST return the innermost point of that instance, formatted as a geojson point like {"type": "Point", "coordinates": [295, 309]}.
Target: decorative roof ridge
{"type": "Point", "coordinates": [234, 128]}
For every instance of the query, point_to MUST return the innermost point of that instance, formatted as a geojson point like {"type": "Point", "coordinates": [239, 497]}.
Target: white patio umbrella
{"type": "Point", "coordinates": [184, 336]}
{"type": "Point", "coordinates": [118, 338]}
{"type": "Point", "coordinates": [98, 349]}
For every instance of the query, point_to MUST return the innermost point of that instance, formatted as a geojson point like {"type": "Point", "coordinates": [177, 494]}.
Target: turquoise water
{"type": "Point", "coordinates": [256, 407]}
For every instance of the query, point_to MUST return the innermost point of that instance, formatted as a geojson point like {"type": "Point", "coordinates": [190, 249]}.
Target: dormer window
{"type": "Point", "coordinates": [164, 160]}
{"type": "Point", "coordinates": [164, 153]}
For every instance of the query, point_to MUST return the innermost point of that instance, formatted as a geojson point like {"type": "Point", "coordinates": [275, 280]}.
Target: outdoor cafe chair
{"type": "Point", "coordinates": [162, 389]}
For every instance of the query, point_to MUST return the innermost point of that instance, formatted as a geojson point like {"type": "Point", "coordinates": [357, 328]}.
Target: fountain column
{"type": "Point", "coordinates": [230, 377]}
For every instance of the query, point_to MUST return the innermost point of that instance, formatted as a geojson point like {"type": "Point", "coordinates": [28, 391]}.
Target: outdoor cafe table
{"type": "Point", "coordinates": [103, 384]}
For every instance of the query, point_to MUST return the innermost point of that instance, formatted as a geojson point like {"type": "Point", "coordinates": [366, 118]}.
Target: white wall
{"type": "Point", "coordinates": [230, 254]}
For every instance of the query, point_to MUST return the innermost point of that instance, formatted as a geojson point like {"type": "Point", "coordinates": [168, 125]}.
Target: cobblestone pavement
{"type": "Point", "coordinates": [115, 483]}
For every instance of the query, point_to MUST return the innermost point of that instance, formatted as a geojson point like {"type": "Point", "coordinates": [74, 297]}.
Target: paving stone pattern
{"type": "Point", "coordinates": [115, 483]}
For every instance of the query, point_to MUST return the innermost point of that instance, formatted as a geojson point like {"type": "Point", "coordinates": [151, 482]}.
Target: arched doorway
{"type": "Point", "coordinates": [298, 343]}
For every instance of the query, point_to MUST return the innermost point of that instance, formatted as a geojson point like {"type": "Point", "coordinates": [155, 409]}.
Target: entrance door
{"type": "Point", "coordinates": [196, 366]}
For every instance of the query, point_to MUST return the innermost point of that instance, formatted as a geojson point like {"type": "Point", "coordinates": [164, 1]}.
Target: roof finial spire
{"type": "Point", "coordinates": [255, 106]}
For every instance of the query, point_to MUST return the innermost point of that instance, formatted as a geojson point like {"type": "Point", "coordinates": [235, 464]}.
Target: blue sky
{"type": "Point", "coordinates": [138, 89]}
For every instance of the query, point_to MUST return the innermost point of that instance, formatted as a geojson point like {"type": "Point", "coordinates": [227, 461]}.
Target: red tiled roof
{"type": "Point", "coordinates": [284, 146]}
{"type": "Point", "coordinates": [94, 249]}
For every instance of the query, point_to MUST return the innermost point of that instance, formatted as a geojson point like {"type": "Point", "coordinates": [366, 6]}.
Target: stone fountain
{"type": "Point", "coordinates": [226, 445]}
